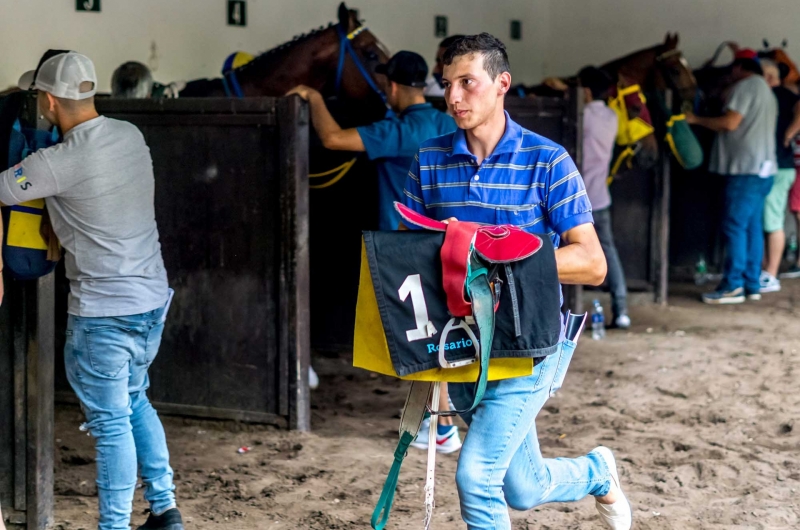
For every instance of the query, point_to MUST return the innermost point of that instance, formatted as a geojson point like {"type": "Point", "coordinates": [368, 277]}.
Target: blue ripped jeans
{"type": "Point", "coordinates": [501, 465]}
{"type": "Point", "coordinates": [107, 360]}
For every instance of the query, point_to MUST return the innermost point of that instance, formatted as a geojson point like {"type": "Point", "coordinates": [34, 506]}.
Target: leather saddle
{"type": "Point", "coordinates": [472, 257]}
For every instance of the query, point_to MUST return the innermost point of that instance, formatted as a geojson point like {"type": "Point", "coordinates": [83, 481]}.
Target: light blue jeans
{"type": "Point", "coordinates": [107, 361]}
{"type": "Point", "coordinates": [501, 464]}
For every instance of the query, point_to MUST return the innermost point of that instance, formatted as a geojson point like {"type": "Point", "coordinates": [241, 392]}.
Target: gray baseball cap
{"type": "Point", "coordinates": [61, 75]}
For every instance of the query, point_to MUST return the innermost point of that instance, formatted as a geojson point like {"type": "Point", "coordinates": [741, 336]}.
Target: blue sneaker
{"type": "Point", "coordinates": [736, 296]}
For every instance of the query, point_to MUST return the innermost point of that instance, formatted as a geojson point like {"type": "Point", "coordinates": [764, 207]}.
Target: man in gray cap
{"type": "Point", "coordinates": [99, 188]}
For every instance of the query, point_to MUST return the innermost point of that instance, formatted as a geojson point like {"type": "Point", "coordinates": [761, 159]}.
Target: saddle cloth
{"type": "Point", "coordinates": [413, 289]}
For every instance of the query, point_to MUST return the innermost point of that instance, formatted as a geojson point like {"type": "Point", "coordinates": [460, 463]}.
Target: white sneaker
{"type": "Point", "coordinates": [617, 516]}
{"type": "Point", "coordinates": [446, 443]}
{"type": "Point", "coordinates": [769, 283]}
{"type": "Point", "coordinates": [313, 379]}
{"type": "Point", "coordinates": [623, 321]}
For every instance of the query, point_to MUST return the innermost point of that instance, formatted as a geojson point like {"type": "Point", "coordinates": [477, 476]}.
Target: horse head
{"type": "Point", "coordinates": [673, 70]}
{"type": "Point", "coordinates": [660, 66]}
{"type": "Point", "coordinates": [354, 81]}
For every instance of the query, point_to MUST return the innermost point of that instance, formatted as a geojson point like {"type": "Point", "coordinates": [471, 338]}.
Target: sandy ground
{"type": "Point", "coordinates": [699, 403]}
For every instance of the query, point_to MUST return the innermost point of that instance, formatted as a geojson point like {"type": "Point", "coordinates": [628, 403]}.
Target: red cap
{"type": "Point", "coordinates": [746, 53]}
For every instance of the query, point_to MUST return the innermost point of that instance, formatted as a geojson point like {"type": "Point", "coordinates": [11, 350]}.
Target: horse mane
{"type": "Point", "coordinates": [614, 65]}
{"type": "Point", "coordinates": [297, 39]}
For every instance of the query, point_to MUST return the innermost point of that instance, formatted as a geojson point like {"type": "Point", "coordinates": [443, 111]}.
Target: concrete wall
{"type": "Point", "coordinates": [559, 36]}
{"type": "Point", "coordinates": [192, 39]}
{"type": "Point", "coordinates": [583, 32]}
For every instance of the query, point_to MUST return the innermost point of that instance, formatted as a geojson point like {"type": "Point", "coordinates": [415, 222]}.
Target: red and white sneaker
{"type": "Point", "coordinates": [447, 438]}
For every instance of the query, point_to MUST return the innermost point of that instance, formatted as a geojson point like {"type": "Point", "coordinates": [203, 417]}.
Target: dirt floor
{"type": "Point", "coordinates": [699, 403]}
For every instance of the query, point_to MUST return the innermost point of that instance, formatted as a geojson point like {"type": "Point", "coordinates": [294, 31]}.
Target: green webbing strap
{"type": "Point", "coordinates": [480, 293]}
{"type": "Point", "coordinates": [381, 514]}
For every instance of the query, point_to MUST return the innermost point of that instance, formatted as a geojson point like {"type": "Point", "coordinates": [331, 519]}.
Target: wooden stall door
{"type": "Point", "coordinates": [232, 211]}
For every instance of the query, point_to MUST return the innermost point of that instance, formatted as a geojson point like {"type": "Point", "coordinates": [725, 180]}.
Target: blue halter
{"type": "Point", "coordinates": [231, 84]}
{"type": "Point", "coordinates": [345, 48]}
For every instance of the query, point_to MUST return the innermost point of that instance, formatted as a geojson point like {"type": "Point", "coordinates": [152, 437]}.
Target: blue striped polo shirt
{"type": "Point", "coordinates": [527, 181]}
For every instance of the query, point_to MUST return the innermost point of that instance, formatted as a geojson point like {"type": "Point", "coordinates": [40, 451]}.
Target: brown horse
{"type": "Point", "coordinates": [654, 68]}
{"type": "Point", "coordinates": [312, 59]}
{"type": "Point", "coordinates": [659, 67]}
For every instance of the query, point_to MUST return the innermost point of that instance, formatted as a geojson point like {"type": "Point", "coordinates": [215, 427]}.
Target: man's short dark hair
{"type": "Point", "coordinates": [596, 80]}
{"type": "Point", "coordinates": [449, 41]}
{"type": "Point", "coordinates": [749, 65]}
{"type": "Point", "coordinates": [495, 58]}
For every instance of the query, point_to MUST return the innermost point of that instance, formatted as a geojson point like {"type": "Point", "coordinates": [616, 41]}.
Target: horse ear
{"type": "Point", "coordinates": [765, 42]}
{"type": "Point", "coordinates": [344, 16]}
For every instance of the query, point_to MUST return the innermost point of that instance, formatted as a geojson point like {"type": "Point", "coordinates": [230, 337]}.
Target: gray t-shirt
{"type": "Point", "coordinates": [99, 188]}
{"type": "Point", "coordinates": [750, 149]}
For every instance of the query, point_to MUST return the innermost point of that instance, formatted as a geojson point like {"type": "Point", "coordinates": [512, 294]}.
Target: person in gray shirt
{"type": "Point", "coordinates": [99, 189]}
{"type": "Point", "coordinates": [744, 151]}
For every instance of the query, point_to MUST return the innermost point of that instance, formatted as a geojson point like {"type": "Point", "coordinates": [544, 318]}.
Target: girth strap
{"type": "Point", "coordinates": [410, 422]}
{"type": "Point", "coordinates": [480, 293]}
{"type": "Point", "coordinates": [418, 395]}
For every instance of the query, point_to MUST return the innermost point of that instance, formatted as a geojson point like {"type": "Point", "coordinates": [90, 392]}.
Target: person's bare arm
{"type": "Point", "coordinates": [729, 121]}
{"type": "Point", "coordinates": [333, 137]}
{"type": "Point", "coordinates": [794, 127]}
{"type": "Point", "coordinates": [581, 260]}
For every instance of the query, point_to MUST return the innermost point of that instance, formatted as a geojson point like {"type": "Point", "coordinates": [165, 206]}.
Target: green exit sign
{"type": "Point", "coordinates": [88, 5]}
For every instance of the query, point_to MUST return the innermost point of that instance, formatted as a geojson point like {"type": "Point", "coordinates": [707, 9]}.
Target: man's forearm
{"type": "Point", "coordinates": [716, 124]}
{"type": "Point", "coordinates": [579, 265]}
{"type": "Point", "coordinates": [323, 122]}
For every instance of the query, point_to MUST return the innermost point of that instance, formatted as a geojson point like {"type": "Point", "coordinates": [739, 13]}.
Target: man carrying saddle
{"type": "Point", "coordinates": [493, 171]}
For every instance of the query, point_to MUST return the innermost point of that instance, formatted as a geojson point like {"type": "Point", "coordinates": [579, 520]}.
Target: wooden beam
{"type": "Point", "coordinates": [295, 330]}
{"type": "Point", "coordinates": [661, 218]}
{"type": "Point", "coordinates": [40, 302]}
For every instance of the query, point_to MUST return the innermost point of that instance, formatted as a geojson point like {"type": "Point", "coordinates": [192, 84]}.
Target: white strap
{"type": "Point", "coordinates": [429, 477]}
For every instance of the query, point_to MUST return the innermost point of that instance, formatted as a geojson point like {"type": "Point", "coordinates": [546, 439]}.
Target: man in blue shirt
{"type": "Point", "coordinates": [493, 171]}
{"type": "Point", "coordinates": [394, 141]}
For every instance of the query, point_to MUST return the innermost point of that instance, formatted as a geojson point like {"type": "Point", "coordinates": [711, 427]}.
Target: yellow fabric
{"type": "Point", "coordinates": [24, 228]}
{"type": "Point", "coordinates": [371, 351]}
{"type": "Point", "coordinates": [629, 130]}
{"type": "Point", "coordinates": [241, 58]}
{"type": "Point", "coordinates": [671, 141]}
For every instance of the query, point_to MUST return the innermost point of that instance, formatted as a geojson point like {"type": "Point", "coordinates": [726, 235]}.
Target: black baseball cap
{"type": "Point", "coordinates": [405, 68]}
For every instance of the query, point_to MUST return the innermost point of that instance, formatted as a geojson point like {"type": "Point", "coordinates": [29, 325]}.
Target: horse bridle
{"type": "Point", "coordinates": [345, 49]}
{"type": "Point", "coordinates": [669, 54]}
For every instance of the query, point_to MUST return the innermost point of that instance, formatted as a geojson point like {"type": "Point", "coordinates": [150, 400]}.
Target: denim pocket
{"type": "Point", "coordinates": [565, 352]}
{"type": "Point", "coordinates": [152, 343]}
{"type": "Point", "coordinates": [110, 347]}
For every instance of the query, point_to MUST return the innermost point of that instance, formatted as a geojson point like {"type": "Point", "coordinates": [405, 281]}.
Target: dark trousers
{"type": "Point", "coordinates": [616, 276]}
{"type": "Point", "coordinates": [742, 228]}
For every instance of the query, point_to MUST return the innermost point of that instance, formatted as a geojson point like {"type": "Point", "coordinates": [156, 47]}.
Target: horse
{"type": "Point", "coordinates": [338, 60]}
{"type": "Point", "coordinates": [655, 68]}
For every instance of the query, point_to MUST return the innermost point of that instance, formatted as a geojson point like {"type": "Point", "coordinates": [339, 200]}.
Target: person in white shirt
{"type": "Point", "coordinates": [599, 133]}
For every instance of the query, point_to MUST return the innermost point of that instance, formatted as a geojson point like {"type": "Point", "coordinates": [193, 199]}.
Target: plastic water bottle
{"type": "Point", "coordinates": [700, 271]}
{"type": "Point", "coordinates": [598, 322]}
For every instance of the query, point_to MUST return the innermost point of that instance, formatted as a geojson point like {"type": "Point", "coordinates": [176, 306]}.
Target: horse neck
{"type": "Point", "coordinates": [309, 62]}
{"type": "Point", "coordinates": [638, 67]}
